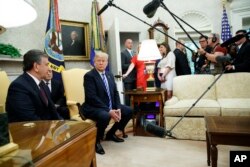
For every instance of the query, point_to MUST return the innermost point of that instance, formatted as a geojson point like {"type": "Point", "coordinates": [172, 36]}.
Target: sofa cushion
{"type": "Point", "coordinates": [233, 85]}
{"type": "Point", "coordinates": [235, 107]}
{"type": "Point", "coordinates": [202, 108]}
{"type": "Point", "coordinates": [192, 86]}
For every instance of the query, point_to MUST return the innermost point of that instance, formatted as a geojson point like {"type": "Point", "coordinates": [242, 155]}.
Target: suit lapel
{"type": "Point", "coordinates": [99, 79]}
{"type": "Point", "coordinates": [35, 88]}
{"type": "Point", "coordinates": [242, 48]}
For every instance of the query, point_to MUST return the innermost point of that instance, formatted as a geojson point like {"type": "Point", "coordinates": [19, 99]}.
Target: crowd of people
{"type": "Point", "coordinates": [35, 95]}
{"type": "Point", "coordinates": [176, 63]}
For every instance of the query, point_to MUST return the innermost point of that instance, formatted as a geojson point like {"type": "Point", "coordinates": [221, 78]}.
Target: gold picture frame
{"type": "Point", "coordinates": [158, 36]}
{"type": "Point", "coordinates": [80, 48]}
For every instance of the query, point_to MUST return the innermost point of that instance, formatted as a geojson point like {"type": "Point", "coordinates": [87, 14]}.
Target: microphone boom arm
{"type": "Point", "coordinates": [111, 4]}
{"type": "Point", "coordinates": [186, 23]}
{"type": "Point", "coordinates": [173, 15]}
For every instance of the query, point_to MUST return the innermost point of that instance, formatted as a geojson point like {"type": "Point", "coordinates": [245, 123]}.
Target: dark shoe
{"type": "Point", "coordinates": [99, 149]}
{"type": "Point", "coordinates": [124, 135]}
{"type": "Point", "coordinates": [114, 138]}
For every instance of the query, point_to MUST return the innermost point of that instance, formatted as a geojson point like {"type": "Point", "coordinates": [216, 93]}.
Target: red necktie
{"type": "Point", "coordinates": [42, 93]}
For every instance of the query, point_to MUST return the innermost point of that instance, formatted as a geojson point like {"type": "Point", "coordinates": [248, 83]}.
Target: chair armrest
{"type": "Point", "coordinates": [70, 102]}
{"type": "Point", "coordinates": [171, 101]}
{"type": "Point", "coordinates": [1, 108]}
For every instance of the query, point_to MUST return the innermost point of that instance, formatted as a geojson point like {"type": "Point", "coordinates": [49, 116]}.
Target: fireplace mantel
{"type": "Point", "coordinates": [12, 66]}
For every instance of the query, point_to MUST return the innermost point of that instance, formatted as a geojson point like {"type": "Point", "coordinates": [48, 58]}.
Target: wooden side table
{"type": "Point", "coordinates": [137, 97]}
{"type": "Point", "coordinates": [225, 130]}
{"type": "Point", "coordinates": [52, 143]}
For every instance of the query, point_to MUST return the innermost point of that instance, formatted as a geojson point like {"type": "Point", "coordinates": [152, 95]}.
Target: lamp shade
{"type": "Point", "coordinates": [149, 51]}
{"type": "Point", "coordinates": [14, 13]}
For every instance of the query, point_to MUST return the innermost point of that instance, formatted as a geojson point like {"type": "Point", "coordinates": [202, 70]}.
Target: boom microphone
{"type": "Point", "coordinates": [118, 76]}
{"type": "Point", "coordinates": [157, 130]}
{"type": "Point", "coordinates": [151, 8]}
{"type": "Point", "coordinates": [234, 39]}
{"type": "Point", "coordinates": [102, 9]}
{"type": "Point", "coordinates": [223, 59]}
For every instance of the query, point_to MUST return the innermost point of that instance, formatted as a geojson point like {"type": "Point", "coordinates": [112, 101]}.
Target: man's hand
{"type": "Point", "coordinates": [115, 115]}
{"type": "Point", "coordinates": [124, 76]}
{"type": "Point", "coordinates": [201, 51]}
{"type": "Point", "coordinates": [229, 67]}
{"type": "Point", "coordinates": [118, 112]}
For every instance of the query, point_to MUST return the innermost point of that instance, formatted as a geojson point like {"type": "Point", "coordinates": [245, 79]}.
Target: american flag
{"type": "Point", "coordinates": [225, 27]}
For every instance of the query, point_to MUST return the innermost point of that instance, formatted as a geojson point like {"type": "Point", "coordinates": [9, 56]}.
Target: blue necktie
{"type": "Point", "coordinates": [107, 89]}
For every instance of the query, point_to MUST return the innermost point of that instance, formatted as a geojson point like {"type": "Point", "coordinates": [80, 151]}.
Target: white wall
{"type": "Point", "coordinates": [32, 35]}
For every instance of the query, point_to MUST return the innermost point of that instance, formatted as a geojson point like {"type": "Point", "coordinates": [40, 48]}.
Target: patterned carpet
{"type": "Point", "coordinates": [139, 151]}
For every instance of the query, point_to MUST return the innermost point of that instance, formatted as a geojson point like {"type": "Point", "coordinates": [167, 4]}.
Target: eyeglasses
{"type": "Point", "coordinates": [202, 41]}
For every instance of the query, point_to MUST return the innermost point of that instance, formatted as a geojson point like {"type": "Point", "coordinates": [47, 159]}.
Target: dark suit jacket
{"type": "Point", "coordinates": [181, 63]}
{"type": "Point", "coordinates": [96, 96]}
{"type": "Point", "coordinates": [242, 59]}
{"type": "Point", "coordinates": [24, 102]}
{"type": "Point", "coordinates": [57, 92]}
{"type": "Point", "coordinates": [76, 49]}
{"type": "Point", "coordinates": [126, 61]}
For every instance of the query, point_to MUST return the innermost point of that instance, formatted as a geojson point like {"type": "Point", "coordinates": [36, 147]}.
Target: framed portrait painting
{"type": "Point", "coordinates": [75, 40]}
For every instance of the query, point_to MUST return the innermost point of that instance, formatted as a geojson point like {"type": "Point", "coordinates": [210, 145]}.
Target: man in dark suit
{"type": "Point", "coordinates": [181, 62]}
{"type": "Point", "coordinates": [27, 98]}
{"type": "Point", "coordinates": [130, 81]}
{"type": "Point", "coordinates": [102, 101]}
{"type": "Point", "coordinates": [56, 90]}
{"type": "Point", "coordinates": [242, 58]}
{"type": "Point", "coordinates": [75, 47]}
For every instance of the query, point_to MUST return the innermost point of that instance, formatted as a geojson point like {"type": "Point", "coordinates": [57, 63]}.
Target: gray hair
{"type": "Point", "coordinates": [101, 54]}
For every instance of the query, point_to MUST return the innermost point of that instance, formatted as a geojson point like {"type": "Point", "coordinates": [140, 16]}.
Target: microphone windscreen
{"type": "Point", "coordinates": [151, 14]}
{"type": "Point", "coordinates": [118, 76]}
{"type": "Point", "coordinates": [155, 130]}
{"type": "Point", "coordinates": [151, 8]}
{"type": "Point", "coordinates": [223, 59]}
{"type": "Point", "coordinates": [232, 40]}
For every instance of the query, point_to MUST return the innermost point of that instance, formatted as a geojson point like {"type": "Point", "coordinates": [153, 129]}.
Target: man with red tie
{"type": "Point", "coordinates": [27, 98]}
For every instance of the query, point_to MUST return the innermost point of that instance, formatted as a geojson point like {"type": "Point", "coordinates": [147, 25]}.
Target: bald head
{"type": "Point", "coordinates": [180, 44]}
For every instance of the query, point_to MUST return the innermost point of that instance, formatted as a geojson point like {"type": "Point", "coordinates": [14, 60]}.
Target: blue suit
{"type": "Point", "coordinates": [96, 105]}
{"type": "Point", "coordinates": [24, 102]}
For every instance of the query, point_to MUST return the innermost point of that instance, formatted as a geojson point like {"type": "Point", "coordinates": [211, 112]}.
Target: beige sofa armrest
{"type": "Point", "coordinates": [171, 101]}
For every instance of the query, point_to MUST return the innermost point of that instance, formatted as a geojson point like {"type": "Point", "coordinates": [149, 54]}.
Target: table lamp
{"type": "Point", "coordinates": [15, 13]}
{"type": "Point", "coordinates": [148, 53]}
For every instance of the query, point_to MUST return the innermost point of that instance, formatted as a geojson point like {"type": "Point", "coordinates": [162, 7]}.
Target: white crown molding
{"type": "Point", "coordinates": [240, 4]}
{"type": "Point", "coordinates": [196, 19]}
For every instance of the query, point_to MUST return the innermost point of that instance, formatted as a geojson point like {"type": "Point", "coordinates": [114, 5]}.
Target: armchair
{"type": "Point", "coordinates": [74, 92]}
{"type": "Point", "coordinates": [5, 83]}
{"type": "Point", "coordinates": [6, 148]}
{"type": "Point", "coordinates": [75, 95]}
